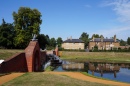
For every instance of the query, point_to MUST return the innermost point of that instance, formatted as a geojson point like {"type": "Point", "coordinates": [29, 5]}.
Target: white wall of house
{"type": "Point", "coordinates": [73, 45]}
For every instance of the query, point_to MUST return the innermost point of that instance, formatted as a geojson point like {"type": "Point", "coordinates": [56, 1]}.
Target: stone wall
{"type": "Point", "coordinates": [73, 45]}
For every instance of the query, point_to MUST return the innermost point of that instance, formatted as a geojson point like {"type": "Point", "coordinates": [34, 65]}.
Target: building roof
{"type": "Point", "coordinates": [104, 40]}
{"type": "Point", "coordinates": [73, 41]}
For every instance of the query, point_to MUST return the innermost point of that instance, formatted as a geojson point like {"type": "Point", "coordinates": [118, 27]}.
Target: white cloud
{"type": "Point", "coordinates": [122, 32]}
{"type": "Point", "coordinates": [121, 8]}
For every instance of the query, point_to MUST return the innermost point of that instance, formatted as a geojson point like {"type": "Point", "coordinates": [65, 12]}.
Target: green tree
{"type": "Point", "coordinates": [122, 43]}
{"type": "Point", "coordinates": [48, 40]}
{"type": "Point", "coordinates": [96, 35]}
{"type": "Point", "coordinates": [27, 22]}
{"type": "Point", "coordinates": [53, 42]}
{"type": "Point", "coordinates": [7, 34]}
{"type": "Point", "coordinates": [59, 41]}
{"type": "Point", "coordinates": [85, 37]}
{"type": "Point", "coordinates": [42, 40]}
{"type": "Point", "coordinates": [128, 41]}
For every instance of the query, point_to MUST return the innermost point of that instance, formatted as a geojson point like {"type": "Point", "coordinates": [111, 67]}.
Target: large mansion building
{"type": "Point", "coordinates": [73, 44]}
{"type": "Point", "coordinates": [104, 43]}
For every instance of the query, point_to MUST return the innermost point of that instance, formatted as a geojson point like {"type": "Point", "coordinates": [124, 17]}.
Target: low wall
{"type": "Point", "coordinates": [16, 63]}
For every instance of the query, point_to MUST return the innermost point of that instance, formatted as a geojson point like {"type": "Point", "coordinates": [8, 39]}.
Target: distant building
{"type": "Point", "coordinates": [125, 47]}
{"type": "Point", "coordinates": [104, 43]}
{"type": "Point", "coordinates": [73, 44]}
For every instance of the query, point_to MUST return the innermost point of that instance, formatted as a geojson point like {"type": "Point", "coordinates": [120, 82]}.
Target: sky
{"type": "Point", "coordinates": [66, 18]}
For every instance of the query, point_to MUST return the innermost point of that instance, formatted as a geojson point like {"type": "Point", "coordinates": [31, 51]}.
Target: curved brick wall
{"type": "Point", "coordinates": [29, 61]}
{"type": "Point", "coordinates": [16, 63]}
{"type": "Point", "coordinates": [32, 53]}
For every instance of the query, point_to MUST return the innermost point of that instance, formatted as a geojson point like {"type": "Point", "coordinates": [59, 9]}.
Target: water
{"type": "Point", "coordinates": [123, 75]}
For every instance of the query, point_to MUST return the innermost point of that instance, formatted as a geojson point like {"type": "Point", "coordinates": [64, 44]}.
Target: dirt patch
{"type": "Point", "coordinates": [81, 76]}
{"type": "Point", "coordinates": [6, 78]}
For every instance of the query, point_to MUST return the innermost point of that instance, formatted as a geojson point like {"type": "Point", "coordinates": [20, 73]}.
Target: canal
{"type": "Point", "coordinates": [113, 71]}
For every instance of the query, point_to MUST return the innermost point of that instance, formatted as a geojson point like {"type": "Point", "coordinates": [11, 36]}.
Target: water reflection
{"type": "Point", "coordinates": [113, 71]}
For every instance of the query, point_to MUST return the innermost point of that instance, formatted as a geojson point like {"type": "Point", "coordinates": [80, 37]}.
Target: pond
{"type": "Point", "coordinates": [113, 71]}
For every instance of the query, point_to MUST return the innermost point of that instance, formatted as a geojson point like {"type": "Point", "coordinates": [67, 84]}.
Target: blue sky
{"type": "Point", "coordinates": [65, 18]}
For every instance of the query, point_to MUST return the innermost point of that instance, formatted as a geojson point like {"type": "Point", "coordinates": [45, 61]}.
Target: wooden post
{"type": "Point", "coordinates": [101, 73]}
{"type": "Point", "coordinates": [115, 74]}
{"type": "Point", "coordinates": [93, 73]}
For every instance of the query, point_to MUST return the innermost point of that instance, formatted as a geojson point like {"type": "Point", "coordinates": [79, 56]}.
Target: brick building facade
{"type": "Point", "coordinates": [104, 43]}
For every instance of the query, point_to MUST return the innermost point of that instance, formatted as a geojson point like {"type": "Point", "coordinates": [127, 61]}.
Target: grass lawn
{"type": "Point", "coordinates": [79, 56]}
{"type": "Point", "coordinates": [97, 56]}
{"type": "Point", "coordinates": [6, 53]}
{"type": "Point", "coordinates": [41, 79]}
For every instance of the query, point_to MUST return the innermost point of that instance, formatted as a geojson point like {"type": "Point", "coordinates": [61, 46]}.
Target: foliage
{"type": "Point", "coordinates": [128, 41]}
{"type": "Point", "coordinates": [27, 22]}
{"type": "Point", "coordinates": [59, 41]}
{"type": "Point", "coordinates": [122, 43]}
{"type": "Point", "coordinates": [95, 48]}
{"type": "Point", "coordinates": [53, 42]}
{"type": "Point", "coordinates": [7, 34]}
{"type": "Point", "coordinates": [85, 37]}
{"type": "Point", "coordinates": [95, 36]}
{"type": "Point", "coordinates": [42, 40]}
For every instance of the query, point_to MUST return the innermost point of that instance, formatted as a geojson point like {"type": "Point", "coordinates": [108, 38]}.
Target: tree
{"type": "Point", "coordinates": [7, 34]}
{"type": "Point", "coordinates": [59, 41]}
{"type": "Point", "coordinates": [27, 22]}
{"type": "Point", "coordinates": [42, 40]}
{"type": "Point", "coordinates": [53, 42]}
{"type": "Point", "coordinates": [122, 43]}
{"type": "Point", "coordinates": [96, 36]}
{"type": "Point", "coordinates": [85, 37]}
{"type": "Point", "coordinates": [128, 41]}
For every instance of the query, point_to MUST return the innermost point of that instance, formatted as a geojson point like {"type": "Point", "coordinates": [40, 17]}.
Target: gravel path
{"type": "Point", "coordinates": [6, 78]}
{"type": "Point", "coordinates": [78, 75]}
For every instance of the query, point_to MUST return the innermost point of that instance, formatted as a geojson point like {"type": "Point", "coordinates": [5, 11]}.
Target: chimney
{"type": "Point", "coordinates": [114, 38]}
{"type": "Point", "coordinates": [101, 38]}
{"type": "Point", "coordinates": [93, 38]}
{"type": "Point", "coordinates": [71, 38]}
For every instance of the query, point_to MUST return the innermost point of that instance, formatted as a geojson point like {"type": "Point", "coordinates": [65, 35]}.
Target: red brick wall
{"type": "Point", "coordinates": [16, 63]}
{"type": "Point", "coordinates": [32, 53]}
{"type": "Point", "coordinates": [29, 61]}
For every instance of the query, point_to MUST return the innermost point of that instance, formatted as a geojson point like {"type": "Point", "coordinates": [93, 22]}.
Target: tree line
{"type": "Point", "coordinates": [27, 21]}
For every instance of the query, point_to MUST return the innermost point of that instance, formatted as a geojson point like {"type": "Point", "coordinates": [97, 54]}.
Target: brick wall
{"type": "Point", "coordinates": [29, 61]}
{"type": "Point", "coordinates": [16, 63]}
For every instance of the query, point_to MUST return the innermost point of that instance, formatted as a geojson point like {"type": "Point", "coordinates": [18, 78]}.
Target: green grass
{"type": "Point", "coordinates": [97, 56]}
{"type": "Point", "coordinates": [42, 79]}
{"type": "Point", "coordinates": [6, 53]}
